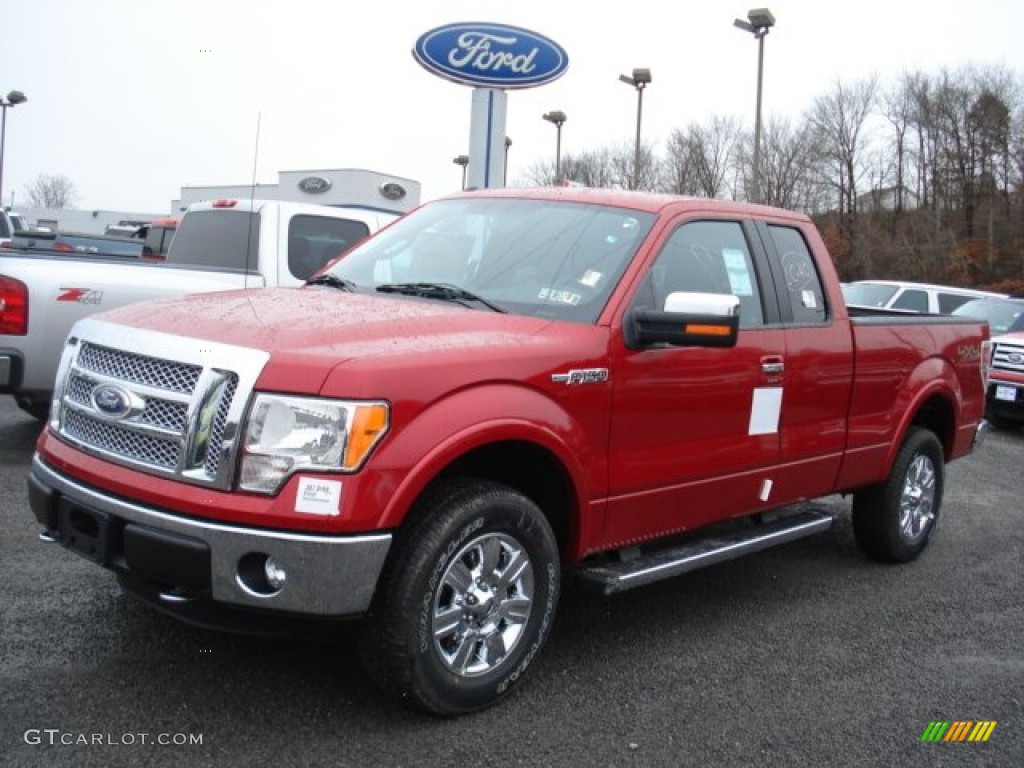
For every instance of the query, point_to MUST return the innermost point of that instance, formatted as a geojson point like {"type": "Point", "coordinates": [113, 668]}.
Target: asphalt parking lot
{"type": "Point", "coordinates": [806, 655]}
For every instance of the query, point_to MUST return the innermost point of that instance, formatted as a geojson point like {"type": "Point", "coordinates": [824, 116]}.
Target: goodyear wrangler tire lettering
{"type": "Point", "coordinates": [466, 601]}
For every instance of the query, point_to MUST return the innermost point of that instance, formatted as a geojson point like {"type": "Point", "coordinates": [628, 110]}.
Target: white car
{"type": "Point", "coordinates": [911, 297]}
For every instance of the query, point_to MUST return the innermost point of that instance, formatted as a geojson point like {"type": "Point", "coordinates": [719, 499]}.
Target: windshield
{"type": "Point", "coordinates": [1001, 316]}
{"type": "Point", "coordinates": [868, 294]}
{"type": "Point", "coordinates": [542, 258]}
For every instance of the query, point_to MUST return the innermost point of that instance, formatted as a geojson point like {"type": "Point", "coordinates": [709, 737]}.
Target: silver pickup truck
{"type": "Point", "coordinates": [219, 245]}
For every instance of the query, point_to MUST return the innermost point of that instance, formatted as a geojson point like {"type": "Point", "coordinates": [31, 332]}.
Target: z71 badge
{"type": "Point", "coordinates": [81, 295]}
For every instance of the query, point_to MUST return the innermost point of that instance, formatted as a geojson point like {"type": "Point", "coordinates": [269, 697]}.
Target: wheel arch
{"type": "Point", "coordinates": [928, 400]}
{"type": "Point", "coordinates": [542, 454]}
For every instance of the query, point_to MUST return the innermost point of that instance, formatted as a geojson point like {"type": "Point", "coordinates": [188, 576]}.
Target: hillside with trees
{"type": "Point", "coordinates": [921, 179]}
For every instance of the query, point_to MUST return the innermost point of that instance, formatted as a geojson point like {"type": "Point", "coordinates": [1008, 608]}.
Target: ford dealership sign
{"type": "Point", "coordinates": [491, 55]}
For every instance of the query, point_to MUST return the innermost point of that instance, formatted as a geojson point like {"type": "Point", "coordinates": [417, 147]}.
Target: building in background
{"type": "Point", "coordinates": [348, 187]}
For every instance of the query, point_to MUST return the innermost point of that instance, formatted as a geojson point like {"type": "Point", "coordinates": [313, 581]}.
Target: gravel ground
{"type": "Point", "coordinates": [805, 655]}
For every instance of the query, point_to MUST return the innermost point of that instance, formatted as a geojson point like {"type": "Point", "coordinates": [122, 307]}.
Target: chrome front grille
{"type": "Point", "coordinates": [162, 413]}
{"type": "Point", "coordinates": [217, 431]}
{"type": "Point", "coordinates": [1008, 357]}
{"type": "Point", "coordinates": [142, 448]}
{"type": "Point", "coordinates": [140, 369]}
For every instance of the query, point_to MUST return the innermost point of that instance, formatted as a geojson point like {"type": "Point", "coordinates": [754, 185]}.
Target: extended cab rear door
{"type": "Point", "coordinates": [818, 365]}
{"type": "Point", "coordinates": [694, 432]}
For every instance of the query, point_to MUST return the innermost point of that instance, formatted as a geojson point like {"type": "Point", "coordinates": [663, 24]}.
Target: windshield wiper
{"type": "Point", "coordinates": [334, 282]}
{"type": "Point", "coordinates": [442, 291]}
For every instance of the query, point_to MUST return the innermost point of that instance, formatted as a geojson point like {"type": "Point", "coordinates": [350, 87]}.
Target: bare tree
{"type": "Point", "coordinates": [591, 169]}
{"type": "Point", "coordinates": [899, 111]}
{"type": "Point", "coordinates": [700, 160]}
{"type": "Point", "coordinates": [838, 120]}
{"type": "Point", "coordinates": [789, 156]}
{"type": "Point", "coordinates": [56, 191]}
{"type": "Point", "coordinates": [623, 158]}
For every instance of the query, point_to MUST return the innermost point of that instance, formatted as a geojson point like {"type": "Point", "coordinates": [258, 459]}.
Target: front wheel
{"type": "Point", "coordinates": [893, 520]}
{"type": "Point", "coordinates": [466, 600]}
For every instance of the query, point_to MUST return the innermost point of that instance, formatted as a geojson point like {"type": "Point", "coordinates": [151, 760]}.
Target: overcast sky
{"type": "Point", "coordinates": [132, 99]}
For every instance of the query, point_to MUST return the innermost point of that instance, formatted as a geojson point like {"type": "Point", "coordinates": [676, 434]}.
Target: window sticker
{"type": "Point", "coordinates": [764, 411]}
{"type": "Point", "coordinates": [317, 496]}
{"type": "Point", "coordinates": [809, 300]}
{"type": "Point", "coordinates": [591, 278]}
{"type": "Point", "coordinates": [559, 297]}
{"type": "Point", "coordinates": [739, 275]}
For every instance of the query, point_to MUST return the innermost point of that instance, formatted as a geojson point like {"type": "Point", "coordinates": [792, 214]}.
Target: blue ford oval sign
{"type": "Point", "coordinates": [491, 55]}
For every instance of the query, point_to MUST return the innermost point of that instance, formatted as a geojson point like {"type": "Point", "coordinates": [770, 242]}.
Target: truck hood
{"type": "Point", "coordinates": [308, 332]}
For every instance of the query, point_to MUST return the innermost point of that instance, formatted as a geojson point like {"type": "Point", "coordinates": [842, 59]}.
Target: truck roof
{"type": "Point", "coordinates": [652, 202]}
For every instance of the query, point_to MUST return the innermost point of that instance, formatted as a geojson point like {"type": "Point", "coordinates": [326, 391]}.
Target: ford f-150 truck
{"type": "Point", "coordinates": [1005, 397]}
{"type": "Point", "coordinates": [219, 245]}
{"type": "Point", "coordinates": [498, 388]}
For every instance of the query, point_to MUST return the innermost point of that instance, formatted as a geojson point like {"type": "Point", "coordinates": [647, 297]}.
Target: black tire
{"type": "Point", "coordinates": [38, 411]}
{"type": "Point", "coordinates": [892, 521]}
{"type": "Point", "coordinates": [441, 611]}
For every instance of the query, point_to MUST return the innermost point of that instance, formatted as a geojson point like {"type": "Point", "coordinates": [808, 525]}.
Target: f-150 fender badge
{"type": "Point", "coordinates": [81, 295]}
{"type": "Point", "coordinates": [581, 376]}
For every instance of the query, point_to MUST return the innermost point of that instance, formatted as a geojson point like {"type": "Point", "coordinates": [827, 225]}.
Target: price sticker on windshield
{"type": "Point", "coordinates": [559, 297]}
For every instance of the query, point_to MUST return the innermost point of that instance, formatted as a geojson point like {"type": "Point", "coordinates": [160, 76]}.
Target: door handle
{"type": "Point", "coordinates": [773, 365]}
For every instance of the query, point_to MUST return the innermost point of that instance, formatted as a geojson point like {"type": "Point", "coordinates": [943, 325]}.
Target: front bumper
{"type": "Point", "coordinates": [11, 367]}
{"type": "Point", "coordinates": [1005, 398]}
{"type": "Point", "coordinates": [194, 560]}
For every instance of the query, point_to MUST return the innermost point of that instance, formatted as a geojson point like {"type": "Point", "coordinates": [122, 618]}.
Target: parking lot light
{"type": "Point", "coordinates": [640, 79]}
{"type": "Point", "coordinates": [13, 99]}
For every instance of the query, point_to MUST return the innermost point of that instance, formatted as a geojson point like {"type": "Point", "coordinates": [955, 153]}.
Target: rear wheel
{"type": "Point", "coordinates": [466, 601]}
{"type": "Point", "coordinates": [893, 520]}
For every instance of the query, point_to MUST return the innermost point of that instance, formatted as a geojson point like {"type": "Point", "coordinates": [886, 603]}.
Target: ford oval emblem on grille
{"type": "Point", "coordinates": [1015, 358]}
{"type": "Point", "coordinates": [113, 402]}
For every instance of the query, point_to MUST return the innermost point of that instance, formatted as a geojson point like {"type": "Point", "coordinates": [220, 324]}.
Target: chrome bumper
{"type": "Point", "coordinates": [326, 575]}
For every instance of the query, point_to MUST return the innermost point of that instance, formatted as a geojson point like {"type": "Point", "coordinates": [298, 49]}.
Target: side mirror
{"type": "Point", "coordinates": [688, 320]}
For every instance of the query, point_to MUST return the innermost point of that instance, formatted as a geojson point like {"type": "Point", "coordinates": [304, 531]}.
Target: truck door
{"type": "Point", "coordinates": [818, 367]}
{"type": "Point", "coordinates": [694, 432]}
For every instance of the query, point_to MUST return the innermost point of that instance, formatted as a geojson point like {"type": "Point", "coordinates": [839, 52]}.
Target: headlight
{"type": "Point", "coordinates": [284, 435]}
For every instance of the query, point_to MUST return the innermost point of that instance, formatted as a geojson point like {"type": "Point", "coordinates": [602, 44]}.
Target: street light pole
{"type": "Point", "coordinates": [760, 20]}
{"type": "Point", "coordinates": [641, 79]}
{"type": "Point", "coordinates": [508, 146]}
{"type": "Point", "coordinates": [557, 118]}
{"type": "Point", "coordinates": [14, 98]}
{"type": "Point", "coordinates": [462, 160]}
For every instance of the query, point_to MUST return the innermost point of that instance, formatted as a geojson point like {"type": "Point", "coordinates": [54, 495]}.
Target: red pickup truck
{"type": "Point", "coordinates": [500, 388]}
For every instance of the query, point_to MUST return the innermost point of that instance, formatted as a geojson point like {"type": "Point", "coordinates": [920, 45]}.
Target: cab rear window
{"type": "Point", "coordinates": [218, 239]}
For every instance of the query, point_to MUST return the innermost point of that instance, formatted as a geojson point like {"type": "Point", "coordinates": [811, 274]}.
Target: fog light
{"type": "Point", "coordinates": [276, 575]}
{"type": "Point", "coordinates": [260, 575]}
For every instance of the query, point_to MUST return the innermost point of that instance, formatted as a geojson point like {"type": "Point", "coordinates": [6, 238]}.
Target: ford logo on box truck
{"type": "Point", "coordinates": [490, 55]}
